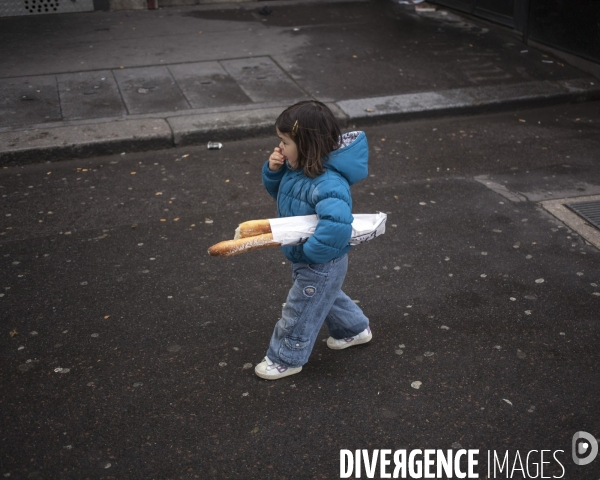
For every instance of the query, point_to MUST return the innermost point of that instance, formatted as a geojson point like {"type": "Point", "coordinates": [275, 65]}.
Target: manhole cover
{"type": "Point", "coordinates": [590, 211]}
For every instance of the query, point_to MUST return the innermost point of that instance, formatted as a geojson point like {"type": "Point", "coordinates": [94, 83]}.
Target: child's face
{"type": "Point", "coordinates": [288, 147]}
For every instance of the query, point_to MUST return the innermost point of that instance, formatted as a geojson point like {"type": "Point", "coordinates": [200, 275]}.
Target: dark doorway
{"type": "Point", "coordinates": [572, 26]}
{"type": "Point", "coordinates": [501, 11]}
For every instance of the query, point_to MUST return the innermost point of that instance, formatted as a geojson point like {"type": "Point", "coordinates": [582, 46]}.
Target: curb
{"type": "Point", "coordinates": [470, 100]}
{"type": "Point", "coordinates": [80, 141]}
{"type": "Point", "coordinates": [197, 129]}
{"type": "Point", "coordinates": [53, 143]}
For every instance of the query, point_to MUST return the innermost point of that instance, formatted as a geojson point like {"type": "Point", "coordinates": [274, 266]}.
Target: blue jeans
{"type": "Point", "coordinates": [315, 297]}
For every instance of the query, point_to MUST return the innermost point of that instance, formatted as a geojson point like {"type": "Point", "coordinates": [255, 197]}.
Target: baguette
{"type": "Point", "coordinates": [229, 248]}
{"type": "Point", "coordinates": [252, 228]}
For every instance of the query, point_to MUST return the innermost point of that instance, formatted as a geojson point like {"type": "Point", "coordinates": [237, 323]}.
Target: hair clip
{"type": "Point", "coordinates": [295, 129]}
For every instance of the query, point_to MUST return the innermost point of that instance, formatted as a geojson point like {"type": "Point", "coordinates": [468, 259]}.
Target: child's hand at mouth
{"type": "Point", "coordinates": [276, 160]}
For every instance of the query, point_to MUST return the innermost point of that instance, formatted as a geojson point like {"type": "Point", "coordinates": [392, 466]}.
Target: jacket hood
{"type": "Point", "coordinates": [351, 159]}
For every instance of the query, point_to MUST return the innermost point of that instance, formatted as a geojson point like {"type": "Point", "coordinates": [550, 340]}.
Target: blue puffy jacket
{"type": "Point", "coordinates": [327, 195]}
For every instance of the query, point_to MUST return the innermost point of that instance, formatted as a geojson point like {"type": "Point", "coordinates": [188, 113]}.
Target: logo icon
{"type": "Point", "coordinates": [310, 291]}
{"type": "Point", "coordinates": [586, 445]}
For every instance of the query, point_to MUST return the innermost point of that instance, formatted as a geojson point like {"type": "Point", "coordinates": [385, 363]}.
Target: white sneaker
{"type": "Point", "coordinates": [270, 370]}
{"type": "Point", "coordinates": [363, 337]}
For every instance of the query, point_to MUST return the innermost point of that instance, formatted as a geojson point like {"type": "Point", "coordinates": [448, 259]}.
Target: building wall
{"type": "Point", "coordinates": [571, 26]}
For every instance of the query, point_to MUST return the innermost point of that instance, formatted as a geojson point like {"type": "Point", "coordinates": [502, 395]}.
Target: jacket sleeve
{"type": "Point", "coordinates": [334, 229]}
{"type": "Point", "coordinates": [271, 180]}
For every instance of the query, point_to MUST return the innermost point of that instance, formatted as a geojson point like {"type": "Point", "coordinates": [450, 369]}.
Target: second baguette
{"type": "Point", "coordinates": [252, 228]}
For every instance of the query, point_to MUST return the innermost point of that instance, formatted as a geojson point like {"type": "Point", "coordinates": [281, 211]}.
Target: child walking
{"type": "Point", "coordinates": [310, 172]}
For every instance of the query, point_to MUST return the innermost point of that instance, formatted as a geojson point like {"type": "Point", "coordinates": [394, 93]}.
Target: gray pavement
{"type": "Point", "coordinates": [128, 353]}
{"type": "Point", "coordinates": [105, 82]}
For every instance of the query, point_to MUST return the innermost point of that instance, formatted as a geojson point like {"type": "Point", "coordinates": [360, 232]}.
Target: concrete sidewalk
{"type": "Point", "coordinates": [98, 83]}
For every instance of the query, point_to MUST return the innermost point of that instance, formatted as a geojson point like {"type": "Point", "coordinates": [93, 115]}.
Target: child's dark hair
{"type": "Point", "coordinates": [314, 130]}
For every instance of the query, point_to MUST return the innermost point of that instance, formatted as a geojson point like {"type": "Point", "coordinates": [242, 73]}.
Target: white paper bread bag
{"type": "Point", "coordinates": [290, 231]}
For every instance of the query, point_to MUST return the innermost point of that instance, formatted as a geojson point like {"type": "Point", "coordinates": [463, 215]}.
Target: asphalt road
{"type": "Point", "coordinates": [128, 352]}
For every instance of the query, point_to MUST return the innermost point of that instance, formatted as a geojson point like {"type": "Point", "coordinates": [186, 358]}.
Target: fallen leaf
{"type": "Point", "coordinates": [13, 332]}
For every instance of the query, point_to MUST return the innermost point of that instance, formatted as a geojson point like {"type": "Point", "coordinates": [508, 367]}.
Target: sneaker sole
{"type": "Point", "coordinates": [287, 373]}
{"type": "Point", "coordinates": [351, 344]}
